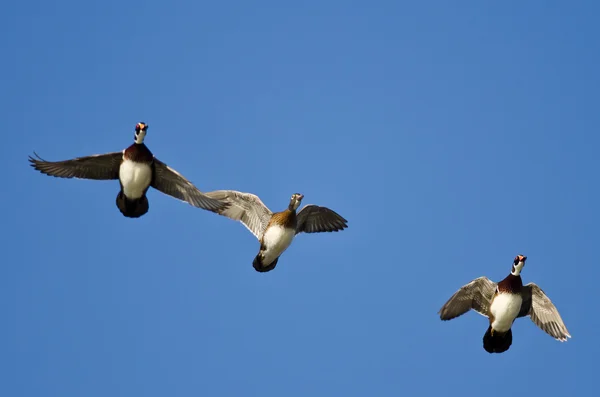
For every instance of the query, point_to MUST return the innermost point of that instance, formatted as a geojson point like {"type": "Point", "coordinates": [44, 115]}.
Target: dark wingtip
{"type": "Point", "coordinates": [342, 220]}
{"type": "Point", "coordinates": [343, 226]}
{"type": "Point", "coordinates": [440, 314]}
{"type": "Point", "coordinates": [34, 160]}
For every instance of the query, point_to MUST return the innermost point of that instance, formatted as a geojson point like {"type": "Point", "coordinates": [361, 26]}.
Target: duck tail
{"type": "Point", "coordinates": [498, 342]}
{"type": "Point", "coordinates": [258, 265]}
{"type": "Point", "coordinates": [132, 208]}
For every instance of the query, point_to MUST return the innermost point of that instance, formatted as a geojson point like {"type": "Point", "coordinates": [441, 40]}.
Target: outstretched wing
{"type": "Point", "coordinates": [542, 312]}
{"type": "Point", "coordinates": [476, 295]}
{"type": "Point", "coordinates": [96, 167]}
{"type": "Point", "coordinates": [246, 208]}
{"type": "Point", "coordinates": [315, 219]}
{"type": "Point", "coordinates": [172, 183]}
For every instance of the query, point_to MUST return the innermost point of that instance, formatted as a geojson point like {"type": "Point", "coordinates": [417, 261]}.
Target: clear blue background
{"type": "Point", "coordinates": [451, 135]}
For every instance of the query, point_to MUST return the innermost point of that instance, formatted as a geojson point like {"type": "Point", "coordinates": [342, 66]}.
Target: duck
{"type": "Point", "coordinates": [137, 169]}
{"type": "Point", "coordinates": [502, 303]}
{"type": "Point", "coordinates": [276, 231]}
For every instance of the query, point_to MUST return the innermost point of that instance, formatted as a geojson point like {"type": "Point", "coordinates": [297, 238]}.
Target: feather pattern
{"type": "Point", "coordinates": [96, 167]}
{"type": "Point", "coordinates": [139, 153]}
{"type": "Point", "coordinates": [476, 295]}
{"type": "Point", "coordinates": [315, 219]}
{"type": "Point", "coordinates": [172, 183]}
{"type": "Point", "coordinates": [542, 312]}
{"type": "Point", "coordinates": [246, 208]}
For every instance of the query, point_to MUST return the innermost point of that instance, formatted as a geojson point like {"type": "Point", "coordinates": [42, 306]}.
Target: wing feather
{"type": "Point", "coordinates": [542, 312]}
{"type": "Point", "coordinates": [246, 208]}
{"type": "Point", "coordinates": [95, 167]}
{"type": "Point", "coordinates": [315, 219]}
{"type": "Point", "coordinates": [476, 295]}
{"type": "Point", "coordinates": [172, 183]}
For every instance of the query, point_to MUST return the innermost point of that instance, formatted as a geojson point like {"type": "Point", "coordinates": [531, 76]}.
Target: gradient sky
{"type": "Point", "coordinates": [451, 135]}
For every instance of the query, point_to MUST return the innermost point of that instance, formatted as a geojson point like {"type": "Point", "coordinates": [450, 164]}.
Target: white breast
{"type": "Point", "coordinates": [505, 308]}
{"type": "Point", "coordinates": [276, 240]}
{"type": "Point", "coordinates": [135, 178]}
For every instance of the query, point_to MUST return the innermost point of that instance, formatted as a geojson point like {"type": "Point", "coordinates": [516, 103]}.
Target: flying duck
{"type": "Point", "coordinates": [275, 231]}
{"type": "Point", "coordinates": [137, 169]}
{"type": "Point", "coordinates": [502, 303]}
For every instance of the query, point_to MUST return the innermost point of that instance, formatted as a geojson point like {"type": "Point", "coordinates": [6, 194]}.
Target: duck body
{"type": "Point", "coordinates": [277, 238]}
{"type": "Point", "coordinates": [505, 307]}
{"type": "Point", "coordinates": [506, 304]}
{"type": "Point", "coordinates": [504, 311]}
{"type": "Point", "coordinates": [136, 173]}
{"type": "Point", "coordinates": [135, 178]}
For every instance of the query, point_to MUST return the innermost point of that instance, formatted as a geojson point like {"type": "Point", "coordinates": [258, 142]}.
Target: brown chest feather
{"type": "Point", "coordinates": [511, 284]}
{"type": "Point", "coordinates": [139, 153]}
{"type": "Point", "coordinates": [285, 218]}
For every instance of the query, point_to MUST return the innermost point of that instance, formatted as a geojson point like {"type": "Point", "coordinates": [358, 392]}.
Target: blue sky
{"type": "Point", "coordinates": [452, 136]}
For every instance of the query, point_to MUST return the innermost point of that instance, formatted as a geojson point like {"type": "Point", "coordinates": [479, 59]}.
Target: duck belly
{"type": "Point", "coordinates": [135, 178]}
{"type": "Point", "coordinates": [505, 309]}
{"type": "Point", "coordinates": [276, 240]}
